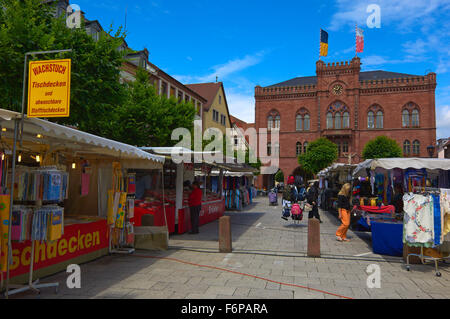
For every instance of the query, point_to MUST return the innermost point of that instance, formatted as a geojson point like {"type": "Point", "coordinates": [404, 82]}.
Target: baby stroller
{"type": "Point", "coordinates": [296, 213]}
{"type": "Point", "coordinates": [273, 197]}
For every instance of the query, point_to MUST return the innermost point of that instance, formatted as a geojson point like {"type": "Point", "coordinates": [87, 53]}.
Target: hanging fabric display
{"type": "Point", "coordinates": [120, 217]}
{"type": "Point", "coordinates": [418, 220]}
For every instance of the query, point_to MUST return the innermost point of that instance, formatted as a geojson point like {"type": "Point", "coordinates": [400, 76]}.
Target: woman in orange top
{"type": "Point", "coordinates": [344, 212]}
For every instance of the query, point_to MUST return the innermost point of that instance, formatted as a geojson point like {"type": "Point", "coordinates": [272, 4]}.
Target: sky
{"type": "Point", "coordinates": [247, 42]}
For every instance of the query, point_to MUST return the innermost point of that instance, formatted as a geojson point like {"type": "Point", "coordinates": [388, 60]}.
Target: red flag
{"type": "Point", "coordinates": [359, 40]}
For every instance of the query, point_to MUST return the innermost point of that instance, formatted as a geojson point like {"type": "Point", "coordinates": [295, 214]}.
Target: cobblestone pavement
{"type": "Point", "coordinates": [264, 246]}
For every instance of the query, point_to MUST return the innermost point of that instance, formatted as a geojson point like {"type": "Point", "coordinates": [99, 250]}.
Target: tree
{"type": "Point", "coordinates": [147, 118]}
{"type": "Point", "coordinates": [279, 176]}
{"type": "Point", "coordinates": [30, 25]}
{"type": "Point", "coordinates": [320, 154]}
{"type": "Point", "coordinates": [381, 147]}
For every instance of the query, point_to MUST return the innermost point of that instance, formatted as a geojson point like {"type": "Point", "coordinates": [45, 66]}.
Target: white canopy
{"type": "Point", "coordinates": [335, 168]}
{"type": "Point", "coordinates": [402, 163]}
{"type": "Point", "coordinates": [77, 142]}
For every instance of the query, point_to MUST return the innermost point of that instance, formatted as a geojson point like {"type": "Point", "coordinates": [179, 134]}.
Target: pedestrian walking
{"type": "Point", "coordinates": [344, 212]}
{"type": "Point", "coordinates": [195, 205]}
{"type": "Point", "coordinates": [312, 199]}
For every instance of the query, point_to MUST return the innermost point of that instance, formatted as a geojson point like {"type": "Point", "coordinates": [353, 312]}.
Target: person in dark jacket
{"type": "Point", "coordinates": [195, 205]}
{"type": "Point", "coordinates": [344, 212]}
{"type": "Point", "coordinates": [312, 199]}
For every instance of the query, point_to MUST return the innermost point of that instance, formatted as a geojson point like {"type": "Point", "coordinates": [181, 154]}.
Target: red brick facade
{"type": "Point", "coordinates": [343, 91]}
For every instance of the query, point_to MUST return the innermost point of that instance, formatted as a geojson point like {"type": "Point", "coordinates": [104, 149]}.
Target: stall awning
{"type": "Point", "coordinates": [60, 137]}
{"type": "Point", "coordinates": [336, 167]}
{"type": "Point", "coordinates": [402, 163]}
{"type": "Point", "coordinates": [227, 163]}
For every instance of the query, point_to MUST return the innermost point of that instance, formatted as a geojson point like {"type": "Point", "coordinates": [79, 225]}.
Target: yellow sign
{"type": "Point", "coordinates": [49, 88]}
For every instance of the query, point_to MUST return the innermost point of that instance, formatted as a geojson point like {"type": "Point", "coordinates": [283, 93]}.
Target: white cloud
{"type": "Point", "coordinates": [443, 121]}
{"type": "Point", "coordinates": [241, 106]}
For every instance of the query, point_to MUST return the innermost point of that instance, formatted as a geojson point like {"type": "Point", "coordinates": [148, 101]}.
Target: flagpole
{"type": "Point", "coordinates": [320, 34]}
{"type": "Point", "coordinates": [356, 40]}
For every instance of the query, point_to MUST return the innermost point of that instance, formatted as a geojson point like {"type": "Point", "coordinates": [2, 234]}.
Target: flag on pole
{"type": "Point", "coordinates": [359, 40]}
{"type": "Point", "coordinates": [323, 43]}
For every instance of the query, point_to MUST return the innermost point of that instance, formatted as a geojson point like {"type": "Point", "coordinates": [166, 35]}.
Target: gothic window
{"type": "Point", "coordinates": [299, 122]}
{"type": "Point", "coordinates": [346, 120]}
{"type": "Point", "coordinates": [345, 147]}
{"type": "Point", "coordinates": [269, 122]}
{"type": "Point", "coordinates": [337, 121]}
{"type": "Point", "coordinates": [329, 120]}
{"type": "Point", "coordinates": [298, 148]}
{"type": "Point", "coordinates": [415, 118]}
{"type": "Point", "coordinates": [379, 123]}
{"type": "Point", "coordinates": [277, 122]}
{"type": "Point", "coordinates": [405, 118]}
{"type": "Point", "coordinates": [406, 148]}
{"type": "Point", "coordinates": [370, 120]}
{"type": "Point", "coordinates": [307, 123]}
{"type": "Point", "coordinates": [305, 147]}
{"type": "Point", "coordinates": [416, 147]}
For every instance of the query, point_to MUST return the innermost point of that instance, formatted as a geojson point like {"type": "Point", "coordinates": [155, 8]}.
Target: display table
{"type": "Point", "coordinates": [158, 213]}
{"type": "Point", "coordinates": [387, 238]}
{"type": "Point", "coordinates": [84, 239]}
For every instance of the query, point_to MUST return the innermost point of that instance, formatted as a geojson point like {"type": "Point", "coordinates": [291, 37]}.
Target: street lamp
{"type": "Point", "coordinates": [430, 150]}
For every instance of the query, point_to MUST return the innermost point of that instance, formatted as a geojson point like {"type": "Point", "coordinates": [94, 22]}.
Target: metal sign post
{"type": "Point", "coordinates": [30, 285]}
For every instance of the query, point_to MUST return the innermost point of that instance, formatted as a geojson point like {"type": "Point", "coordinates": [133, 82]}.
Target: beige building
{"type": "Point", "coordinates": [215, 110]}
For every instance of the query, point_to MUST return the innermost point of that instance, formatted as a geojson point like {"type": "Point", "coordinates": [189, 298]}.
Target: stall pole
{"type": "Point", "coordinates": [164, 203]}
{"type": "Point", "coordinates": [220, 182]}
{"type": "Point", "coordinates": [179, 190]}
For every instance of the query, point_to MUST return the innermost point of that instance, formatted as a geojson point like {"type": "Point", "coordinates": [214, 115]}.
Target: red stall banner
{"type": "Point", "coordinates": [78, 240]}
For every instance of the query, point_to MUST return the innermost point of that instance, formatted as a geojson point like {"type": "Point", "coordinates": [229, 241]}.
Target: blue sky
{"type": "Point", "coordinates": [248, 43]}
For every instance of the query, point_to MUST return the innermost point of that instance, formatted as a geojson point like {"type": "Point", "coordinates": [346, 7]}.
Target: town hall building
{"type": "Point", "coordinates": [350, 108]}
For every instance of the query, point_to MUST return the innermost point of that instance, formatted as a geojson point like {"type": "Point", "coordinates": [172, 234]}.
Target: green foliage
{"type": "Point", "coordinates": [381, 147]}
{"type": "Point", "coordinates": [29, 25]}
{"type": "Point", "coordinates": [279, 176]}
{"type": "Point", "coordinates": [320, 154]}
{"type": "Point", "coordinates": [147, 118]}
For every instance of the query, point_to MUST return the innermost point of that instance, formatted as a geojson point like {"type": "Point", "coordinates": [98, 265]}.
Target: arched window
{"type": "Point", "coordinates": [277, 122]}
{"type": "Point", "coordinates": [299, 122]}
{"type": "Point", "coordinates": [416, 147]}
{"type": "Point", "coordinates": [370, 120]}
{"type": "Point", "coordinates": [345, 147]}
{"type": "Point", "coordinates": [305, 147]}
{"type": "Point", "coordinates": [298, 148]}
{"type": "Point", "coordinates": [269, 122]}
{"type": "Point", "coordinates": [415, 118]}
{"type": "Point", "coordinates": [337, 121]}
{"type": "Point", "coordinates": [346, 120]}
{"type": "Point", "coordinates": [379, 122]}
{"type": "Point", "coordinates": [307, 123]}
{"type": "Point", "coordinates": [269, 149]}
{"type": "Point", "coordinates": [405, 118]}
{"type": "Point", "coordinates": [329, 120]}
{"type": "Point", "coordinates": [406, 148]}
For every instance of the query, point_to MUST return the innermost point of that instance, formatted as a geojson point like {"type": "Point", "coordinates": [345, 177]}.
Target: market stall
{"type": "Point", "coordinates": [64, 181]}
{"type": "Point", "coordinates": [331, 180]}
{"type": "Point", "coordinates": [385, 192]}
{"type": "Point", "coordinates": [195, 166]}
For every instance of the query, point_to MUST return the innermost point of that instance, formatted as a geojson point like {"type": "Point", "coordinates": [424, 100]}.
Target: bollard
{"type": "Point", "coordinates": [313, 237]}
{"type": "Point", "coordinates": [225, 234]}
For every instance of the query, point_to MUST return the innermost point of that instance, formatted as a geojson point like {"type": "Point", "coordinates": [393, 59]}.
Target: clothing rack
{"type": "Point", "coordinates": [424, 259]}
